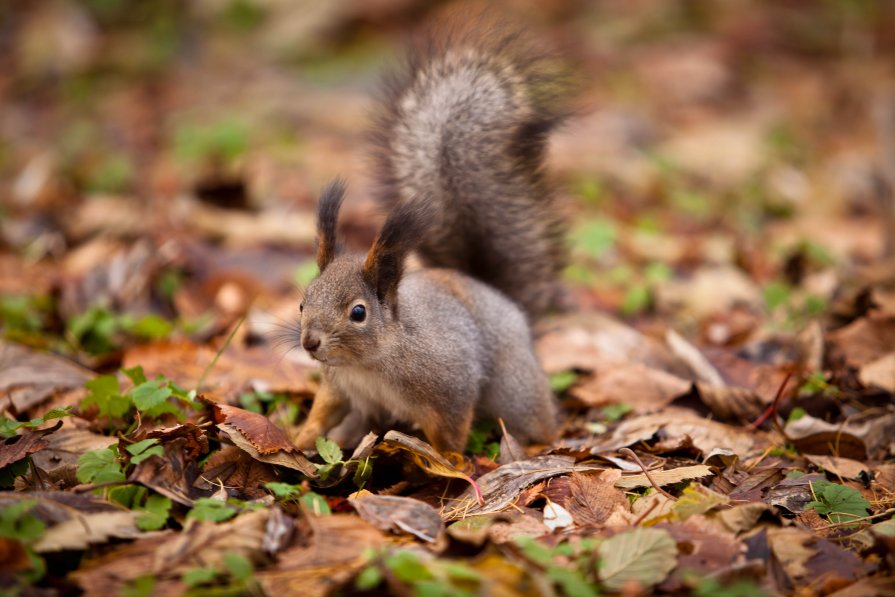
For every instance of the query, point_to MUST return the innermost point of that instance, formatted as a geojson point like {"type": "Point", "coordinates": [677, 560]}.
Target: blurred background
{"type": "Point", "coordinates": [160, 159]}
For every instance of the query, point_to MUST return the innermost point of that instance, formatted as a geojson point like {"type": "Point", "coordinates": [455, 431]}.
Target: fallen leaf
{"type": "Point", "coordinates": [643, 388]}
{"type": "Point", "coordinates": [594, 498]}
{"type": "Point", "coordinates": [399, 514]}
{"type": "Point", "coordinates": [501, 486]}
{"type": "Point", "coordinates": [15, 448]}
{"type": "Point", "coordinates": [644, 556]}
{"type": "Point", "coordinates": [29, 377]}
{"type": "Point", "coordinates": [556, 517]}
{"type": "Point", "coordinates": [841, 467]}
{"type": "Point", "coordinates": [662, 478]}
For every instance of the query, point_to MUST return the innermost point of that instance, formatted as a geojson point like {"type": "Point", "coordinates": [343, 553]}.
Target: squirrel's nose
{"type": "Point", "coordinates": [311, 342]}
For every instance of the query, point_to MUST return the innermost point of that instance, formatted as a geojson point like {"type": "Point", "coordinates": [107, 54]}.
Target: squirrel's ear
{"type": "Point", "coordinates": [327, 218]}
{"type": "Point", "coordinates": [402, 231]}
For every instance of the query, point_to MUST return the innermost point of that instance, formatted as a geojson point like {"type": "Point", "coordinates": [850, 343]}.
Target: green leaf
{"type": "Point", "coordinates": [369, 578]}
{"type": "Point", "coordinates": [99, 466]}
{"type": "Point", "coordinates": [363, 472]}
{"type": "Point", "coordinates": [17, 524]}
{"type": "Point", "coordinates": [135, 374]}
{"type": "Point", "coordinates": [534, 551]}
{"type": "Point", "coordinates": [614, 412]}
{"type": "Point", "coordinates": [154, 514]}
{"type": "Point", "coordinates": [316, 503]}
{"type": "Point", "coordinates": [643, 555]}
{"type": "Point", "coordinates": [195, 577]}
{"type": "Point", "coordinates": [105, 394]}
{"type": "Point", "coordinates": [562, 381]}
{"type": "Point", "coordinates": [142, 450]}
{"type": "Point", "coordinates": [695, 500]}
{"type": "Point", "coordinates": [572, 582]}
{"type": "Point", "coordinates": [211, 510]}
{"type": "Point", "coordinates": [239, 566]}
{"type": "Point", "coordinates": [407, 567]}
{"type": "Point", "coordinates": [839, 503]}
{"type": "Point", "coordinates": [150, 394]}
{"type": "Point", "coordinates": [323, 470]}
{"type": "Point", "coordinates": [283, 490]}
{"type": "Point", "coordinates": [329, 450]}
{"type": "Point", "coordinates": [151, 327]}
{"type": "Point", "coordinates": [142, 586]}
{"type": "Point", "coordinates": [595, 237]}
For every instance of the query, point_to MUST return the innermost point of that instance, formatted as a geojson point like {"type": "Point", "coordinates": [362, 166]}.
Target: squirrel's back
{"type": "Point", "coordinates": [465, 127]}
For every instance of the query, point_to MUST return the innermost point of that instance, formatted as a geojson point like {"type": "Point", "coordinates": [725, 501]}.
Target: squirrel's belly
{"type": "Point", "coordinates": [370, 393]}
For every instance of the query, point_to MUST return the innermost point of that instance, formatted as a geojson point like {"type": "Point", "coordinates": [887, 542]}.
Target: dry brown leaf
{"type": "Point", "coordinates": [662, 478]}
{"type": "Point", "coordinates": [174, 473]}
{"type": "Point", "coordinates": [594, 498]}
{"type": "Point", "coordinates": [399, 514]}
{"type": "Point", "coordinates": [503, 485]}
{"type": "Point", "coordinates": [29, 377]}
{"type": "Point", "coordinates": [841, 467]}
{"type": "Point", "coordinates": [15, 448]}
{"type": "Point", "coordinates": [233, 467]}
{"type": "Point", "coordinates": [260, 438]}
{"type": "Point", "coordinates": [519, 525]}
{"type": "Point", "coordinates": [643, 388]}
{"type": "Point", "coordinates": [815, 436]}
{"type": "Point", "coordinates": [703, 548]}
{"type": "Point", "coordinates": [742, 517]}
{"type": "Point", "coordinates": [112, 571]}
{"type": "Point", "coordinates": [864, 341]}
{"type": "Point", "coordinates": [879, 373]}
{"type": "Point", "coordinates": [589, 341]}
{"type": "Point", "coordinates": [322, 562]}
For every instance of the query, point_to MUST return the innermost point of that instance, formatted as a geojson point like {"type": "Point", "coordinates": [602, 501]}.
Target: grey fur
{"type": "Point", "coordinates": [467, 123]}
{"type": "Point", "coordinates": [460, 148]}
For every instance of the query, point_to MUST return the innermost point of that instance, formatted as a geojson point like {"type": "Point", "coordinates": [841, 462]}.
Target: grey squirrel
{"type": "Point", "coordinates": [459, 152]}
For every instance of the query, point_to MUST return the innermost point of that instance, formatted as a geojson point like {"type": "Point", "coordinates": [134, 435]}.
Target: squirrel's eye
{"type": "Point", "coordinates": [301, 307]}
{"type": "Point", "coordinates": [358, 313]}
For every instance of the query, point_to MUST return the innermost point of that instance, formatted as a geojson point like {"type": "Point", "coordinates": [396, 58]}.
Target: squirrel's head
{"type": "Point", "coordinates": [348, 307]}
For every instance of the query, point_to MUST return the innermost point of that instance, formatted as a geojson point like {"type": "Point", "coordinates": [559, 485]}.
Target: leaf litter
{"type": "Point", "coordinates": [725, 369]}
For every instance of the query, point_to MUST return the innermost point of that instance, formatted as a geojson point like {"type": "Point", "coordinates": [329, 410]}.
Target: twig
{"type": "Point", "coordinates": [646, 513]}
{"type": "Point", "coordinates": [860, 519]}
{"type": "Point", "coordinates": [649, 477]}
{"type": "Point", "coordinates": [772, 409]}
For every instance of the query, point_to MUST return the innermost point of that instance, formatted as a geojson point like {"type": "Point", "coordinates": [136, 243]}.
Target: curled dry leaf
{"type": "Point", "coordinates": [426, 457]}
{"type": "Point", "coordinates": [399, 514]}
{"type": "Point", "coordinates": [17, 447]}
{"type": "Point", "coordinates": [175, 472]}
{"type": "Point", "coordinates": [841, 467]}
{"type": "Point", "coordinates": [260, 438]}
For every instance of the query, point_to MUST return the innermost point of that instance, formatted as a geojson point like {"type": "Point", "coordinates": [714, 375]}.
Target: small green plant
{"type": "Point", "coordinates": [211, 510]}
{"type": "Point", "coordinates": [614, 412]}
{"type": "Point", "coordinates": [838, 503]}
{"type": "Point", "coordinates": [817, 384]}
{"type": "Point", "coordinates": [332, 456]}
{"type": "Point", "coordinates": [235, 574]}
{"type": "Point", "coordinates": [9, 427]}
{"type": "Point", "coordinates": [313, 502]}
{"type": "Point", "coordinates": [425, 576]}
{"type": "Point", "coordinates": [23, 315]}
{"type": "Point", "coordinates": [477, 443]}
{"type": "Point", "coordinates": [151, 398]}
{"type": "Point", "coordinates": [19, 525]}
{"type": "Point", "coordinates": [562, 381]}
{"type": "Point", "coordinates": [571, 568]}
{"type": "Point", "coordinates": [100, 331]}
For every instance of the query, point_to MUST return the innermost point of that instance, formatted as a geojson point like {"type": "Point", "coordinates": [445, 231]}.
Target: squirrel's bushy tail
{"type": "Point", "coordinates": [466, 125]}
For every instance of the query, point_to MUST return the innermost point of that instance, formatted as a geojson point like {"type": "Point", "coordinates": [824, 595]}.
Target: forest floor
{"type": "Point", "coordinates": [726, 373]}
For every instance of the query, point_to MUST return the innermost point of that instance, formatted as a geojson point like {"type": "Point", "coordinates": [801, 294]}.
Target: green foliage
{"type": "Point", "coordinates": [154, 513]}
{"type": "Point", "coordinates": [100, 466]}
{"type": "Point", "coordinates": [17, 523]}
{"type": "Point", "coordinates": [315, 503]}
{"type": "Point", "coordinates": [562, 381]}
{"type": "Point", "coordinates": [839, 503]}
{"type": "Point", "coordinates": [792, 309]}
{"type": "Point", "coordinates": [142, 586]}
{"type": "Point", "coordinates": [571, 568]}
{"type": "Point", "coordinates": [8, 427]}
{"type": "Point", "coordinates": [195, 577]}
{"type": "Point", "coordinates": [595, 238]}
{"type": "Point", "coordinates": [796, 414]}
{"type": "Point", "coordinates": [149, 397]}
{"type": "Point", "coordinates": [22, 315]}
{"type": "Point", "coordinates": [100, 331]}
{"type": "Point", "coordinates": [817, 384]}
{"type": "Point", "coordinates": [284, 491]}
{"type": "Point", "coordinates": [710, 587]}
{"type": "Point", "coordinates": [142, 450]}
{"type": "Point", "coordinates": [425, 576]}
{"type": "Point", "coordinates": [477, 443]}
{"type": "Point", "coordinates": [305, 273]}
{"type": "Point", "coordinates": [614, 412]}
{"type": "Point", "coordinates": [239, 567]}
{"type": "Point", "coordinates": [225, 140]}
{"type": "Point", "coordinates": [211, 510]}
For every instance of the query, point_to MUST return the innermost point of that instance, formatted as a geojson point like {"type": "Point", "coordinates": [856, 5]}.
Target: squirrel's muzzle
{"type": "Point", "coordinates": [311, 342]}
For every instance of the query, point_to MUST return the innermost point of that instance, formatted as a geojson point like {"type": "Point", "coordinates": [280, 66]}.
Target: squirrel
{"type": "Point", "coordinates": [459, 150]}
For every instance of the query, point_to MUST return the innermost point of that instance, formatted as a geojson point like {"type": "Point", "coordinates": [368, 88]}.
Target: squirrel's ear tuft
{"type": "Point", "coordinates": [402, 231]}
{"type": "Point", "coordinates": [327, 218]}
